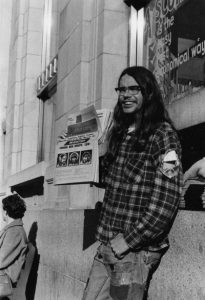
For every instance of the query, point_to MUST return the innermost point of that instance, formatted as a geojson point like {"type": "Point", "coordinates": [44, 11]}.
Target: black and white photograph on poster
{"type": "Point", "coordinates": [62, 160]}
{"type": "Point", "coordinates": [86, 157]}
{"type": "Point", "coordinates": [74, 158]}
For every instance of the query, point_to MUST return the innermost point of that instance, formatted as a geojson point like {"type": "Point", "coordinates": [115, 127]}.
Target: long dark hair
{"type": "Point", "coordinates": [152, 114]}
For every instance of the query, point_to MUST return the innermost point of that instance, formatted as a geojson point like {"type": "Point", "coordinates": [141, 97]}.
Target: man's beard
{"type": "Point", "coordinates": [131, 119]}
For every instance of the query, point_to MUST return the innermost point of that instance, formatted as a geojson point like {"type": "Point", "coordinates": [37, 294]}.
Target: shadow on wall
{"type": "Point", "coordinates": [91, 217]}
{"type": "Point", "coordinates": [32, 279]}
{"type": "Point", "coordinates": [26, 285]}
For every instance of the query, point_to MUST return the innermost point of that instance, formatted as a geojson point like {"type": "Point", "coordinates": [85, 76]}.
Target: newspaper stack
{"type": "Point", "coordinates": [77, 152]}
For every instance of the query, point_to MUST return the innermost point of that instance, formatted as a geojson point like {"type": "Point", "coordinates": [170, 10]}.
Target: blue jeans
{"type": "Point", "coordinates": [121, 279]}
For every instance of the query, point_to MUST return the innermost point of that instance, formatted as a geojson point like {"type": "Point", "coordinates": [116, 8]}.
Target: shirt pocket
{"type": "Point", "coordinates": [134, 168]}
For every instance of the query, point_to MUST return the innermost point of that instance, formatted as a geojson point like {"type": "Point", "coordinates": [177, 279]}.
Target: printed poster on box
{"type": "Point", "coordinates": [76, 157]}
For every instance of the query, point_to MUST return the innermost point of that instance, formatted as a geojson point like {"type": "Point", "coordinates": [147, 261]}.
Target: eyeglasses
{"type": "Point", "coordinates": [132, 90]}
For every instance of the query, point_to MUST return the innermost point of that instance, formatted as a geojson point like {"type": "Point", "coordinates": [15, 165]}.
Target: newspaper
{"type": "Point", "coordinates": [105, 118]}
{"type": "Point", "coordinates": [76, 154]}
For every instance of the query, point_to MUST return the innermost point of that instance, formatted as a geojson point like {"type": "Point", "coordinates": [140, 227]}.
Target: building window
{"type": "Point", "coordinates": [47, 83]}
{"type": "Point", "coordinates": [46, 89]}
{"type": "Point", "coordinates": [171, 44]}
{"type": "Point", "coordinates": [136, 34]}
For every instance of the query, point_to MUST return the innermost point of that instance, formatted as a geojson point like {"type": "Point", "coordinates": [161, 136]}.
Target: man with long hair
{"type": "Point", "coordinates": [143, 182]}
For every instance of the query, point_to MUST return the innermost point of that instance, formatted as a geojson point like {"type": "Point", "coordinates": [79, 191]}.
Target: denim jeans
{"type": "Point", "coordinates": [127, 278]}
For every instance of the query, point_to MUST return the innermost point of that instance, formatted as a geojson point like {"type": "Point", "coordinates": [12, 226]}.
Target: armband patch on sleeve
{"type": "Point", "coordinates": [170, 164]}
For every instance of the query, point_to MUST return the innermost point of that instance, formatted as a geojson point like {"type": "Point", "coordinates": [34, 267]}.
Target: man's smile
{"type": "Point", "coordinates": [131, 105]}
{"type": "Point", "coordinates": [128, 103]}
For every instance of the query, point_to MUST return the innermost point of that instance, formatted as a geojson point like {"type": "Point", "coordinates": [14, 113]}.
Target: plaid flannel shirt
{"type": "Point", "coordinates": [140, 201]}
